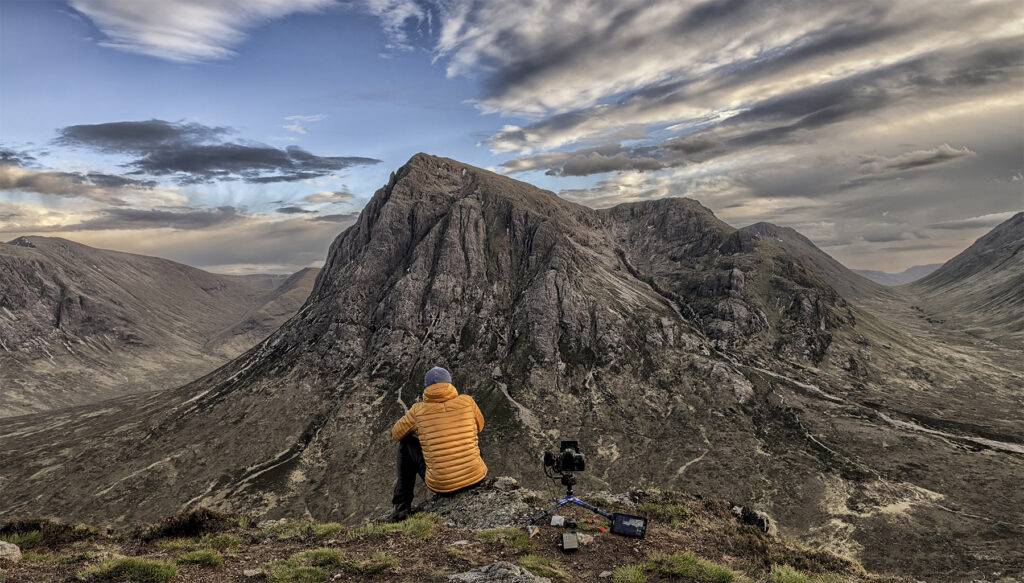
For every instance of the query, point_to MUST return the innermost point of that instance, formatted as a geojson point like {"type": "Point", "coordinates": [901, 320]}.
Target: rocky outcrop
{"type": "Point", "coordinates": [499, 572]}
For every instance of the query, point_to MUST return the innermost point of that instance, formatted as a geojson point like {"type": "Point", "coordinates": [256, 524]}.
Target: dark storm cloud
{"type": "Point", "coordinates": [294, 210]}
{"type": "Point", "coordinates": [181, 219]}
{"type": "Point", "coordinates": [15, 157]}
{"type": "Point", "coordinates": [251, 163]}
{"type": "Point", "coordinates": [192, 153]}
{"type": "Point", "coordinates": [137, 136]}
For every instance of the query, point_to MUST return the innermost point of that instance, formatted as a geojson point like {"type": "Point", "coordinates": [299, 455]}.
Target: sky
{"type": "Point", "coordinates": [242, 136]}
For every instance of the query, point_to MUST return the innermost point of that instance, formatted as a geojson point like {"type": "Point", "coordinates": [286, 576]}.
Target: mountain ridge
{"type": "Point", "coordinates": [649, 332]}
{"type": "Point", "coordinates": [81, 324]}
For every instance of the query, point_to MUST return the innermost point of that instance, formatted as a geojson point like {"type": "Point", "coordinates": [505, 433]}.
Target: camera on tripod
{"type": "Point", "coordinates": [568, 458]}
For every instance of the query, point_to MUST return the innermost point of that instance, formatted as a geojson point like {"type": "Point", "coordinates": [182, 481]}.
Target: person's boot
{"type": "Point", "coordinates": [400, 512]}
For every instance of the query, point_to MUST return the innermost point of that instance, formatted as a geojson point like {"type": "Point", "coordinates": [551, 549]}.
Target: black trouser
{"type": "Point", "coordinates": [410, 463]}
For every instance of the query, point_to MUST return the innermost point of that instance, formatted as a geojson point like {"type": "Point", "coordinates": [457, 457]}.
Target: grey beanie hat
{"type": "Point", "coordinates": [436, 375]}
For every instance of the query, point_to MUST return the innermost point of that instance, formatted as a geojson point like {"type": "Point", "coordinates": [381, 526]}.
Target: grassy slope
{"type": "Point", "coordinates": [691, 539]}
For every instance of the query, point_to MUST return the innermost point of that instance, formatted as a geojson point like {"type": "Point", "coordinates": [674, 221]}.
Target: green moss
{"type": "Point", "coordinates": [204, 557]}
{"type": "Point", "coordinates": [542, 567]}
{"type": "Point", "coordinates": [514, 538]}
{"type": "Point", "coordinates": [629, 574]}
{"type": "Point", "coordinates": [130, 569]}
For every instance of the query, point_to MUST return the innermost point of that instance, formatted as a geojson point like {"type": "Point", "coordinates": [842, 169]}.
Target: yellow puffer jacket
{"type": "Point", "coordinates": [447, 424]}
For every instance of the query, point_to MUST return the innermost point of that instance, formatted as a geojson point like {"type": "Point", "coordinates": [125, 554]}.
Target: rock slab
{"type": "Point", "coordinates": [500, 572]}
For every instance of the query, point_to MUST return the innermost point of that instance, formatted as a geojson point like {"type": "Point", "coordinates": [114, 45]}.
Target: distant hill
{"type": "Point", "coordinates": [893, 279]}
{"type": "Point", "coordinates": [850, 285]}
{"type": "Point", "coordinates": [79, 324]}
{"type": "Point", "coordinates": [981, 289]}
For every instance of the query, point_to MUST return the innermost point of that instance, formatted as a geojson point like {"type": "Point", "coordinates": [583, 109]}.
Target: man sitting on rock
{"type": "Point", "coordinates": [438, 440]}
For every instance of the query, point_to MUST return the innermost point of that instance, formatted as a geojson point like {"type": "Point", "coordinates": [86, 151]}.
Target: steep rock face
{"type": "Point", "coordinates": [849, 284]}
{"type": "Point", "coordinates": [78, 324]}
{"type": "Point", "coordinates": [680, 352]}
{"type": "Point", "coordinates": [982, 289]}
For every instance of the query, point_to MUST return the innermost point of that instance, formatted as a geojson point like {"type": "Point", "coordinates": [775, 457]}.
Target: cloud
{"type": "Point", "coordinates": [911, 160]}
{"type": "Point", "coordinates": [15, 157]}
{"type": "Point", "coordinates": [331, 197]}
{"type": "Point", "coordinates": [294, 210]}
{"type": "Point", "coordinates": [138, 136]}
{"type": "Point", "coordinates": [186, 31]}
{"type": "Point", "coordinates": [192, 153]}
{"type": "Point", "coordinates": [306, 118]}
{"type": "Point", "coordinates": [338, 218]}
{"type": "Point", "coordinates": [297, 127]}
{"type": "Point", "coordinates": [182, 219]}
{"type": "Point", "coordinates": [978, 222]}
{"type": "Point", "coordinates": [91, 185]}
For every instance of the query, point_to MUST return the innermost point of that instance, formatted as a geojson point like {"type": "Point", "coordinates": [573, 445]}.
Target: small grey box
{"type": "Point", "coordinates": [570, 542]}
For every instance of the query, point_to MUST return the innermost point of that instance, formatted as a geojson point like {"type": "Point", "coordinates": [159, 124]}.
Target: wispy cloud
{"type": "Point", "coordinates": [330, 197]}
{"type": "Point", "coordinates": [185, 31]}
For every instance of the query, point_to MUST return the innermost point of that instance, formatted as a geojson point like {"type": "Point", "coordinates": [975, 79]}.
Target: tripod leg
{"type": "Point", "coordinates": [547, 512]}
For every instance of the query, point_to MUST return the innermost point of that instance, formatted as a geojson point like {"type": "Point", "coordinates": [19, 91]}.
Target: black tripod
{"type": "Point", "coordinates": [568, 480]}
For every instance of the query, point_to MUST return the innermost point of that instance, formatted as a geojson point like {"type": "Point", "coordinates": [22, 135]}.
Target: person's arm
{"type": "Point", "coordinates": [404, 426]}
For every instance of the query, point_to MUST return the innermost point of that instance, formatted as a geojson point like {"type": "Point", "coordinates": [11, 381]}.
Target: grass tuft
{"type": "Point", "coordinates": [292, 571]}
{"type": "Point", "coordinates": [24, 540]}
{"type": "Point", "coordinates": [204, 557]}
{"type": "Point", "coordinates": [542, 567]}
{"type": "Point", "coordinates": [673, 514]}
{"type": "Point", "coordinates": [379, 563]}
{"type": "Point", "coordinates": [515, 538]}
{"type": "Point", "coordinates": [220, 542]}
{"type": "Point", "coordinates": [419, 526]}
{"type": "Point", "coordinates": [130, 569]}
{"type": "Point", "coordinates": [688, 566]}
{"type": "Point", "coordinates": [321, 558]}
{"type": "Point", "coordinates": [629, 574]}
{"type": "Point", "coordinates": [786, 574]}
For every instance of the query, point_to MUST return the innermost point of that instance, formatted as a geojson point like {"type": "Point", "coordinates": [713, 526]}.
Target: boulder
{"type": "Point", "coordinates": [500, 572]}
{"type": "Point", "coordinates": [9, 552]}
{"type": "Point", "coordinates": [757, 518]}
